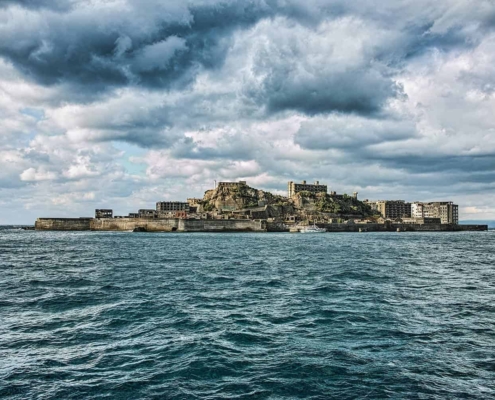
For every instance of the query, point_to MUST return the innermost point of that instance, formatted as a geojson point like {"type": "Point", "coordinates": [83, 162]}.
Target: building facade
{"type": "Point", "coordinates": [146, 213]}
{"type": "Point", "coordinates": [392, 209]}
{"type": "Point", "coordinates": [294, 188]}
{"type": "Point", "coordinates": [171, 206]}
{"type": "Point", "coordinates": [232, 184]}
{"type": "Point", "coordinates": [447, 211]}
{"type": "Point", "coordinates": [417, 210]}
{"type": "Point", "coordinates": [103, 213]}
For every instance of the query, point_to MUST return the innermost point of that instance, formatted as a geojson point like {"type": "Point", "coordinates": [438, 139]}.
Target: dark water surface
{"type": "Point", "coordinates": [91, 315]}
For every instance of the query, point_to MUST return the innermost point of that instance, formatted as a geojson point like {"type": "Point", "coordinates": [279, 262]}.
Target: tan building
{"type": "Point", "coordinates": [294, 188]}
{"type": "Point", "coordinates": [391, 209]}
{"type": "Point", "coordinates": [372, 204]}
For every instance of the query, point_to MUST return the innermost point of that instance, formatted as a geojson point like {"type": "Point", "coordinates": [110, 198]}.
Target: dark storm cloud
{"type": "Point", "coordinates": [58, 5]}
{"type": "Point", "coordinates": [112, 50]}
{"type": "Point", "coordinates": [361, 91]}
{"type": "Point", "coordinates": [161, 48]}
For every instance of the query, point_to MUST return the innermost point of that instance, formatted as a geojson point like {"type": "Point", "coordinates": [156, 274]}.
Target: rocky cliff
{"type": "Point", "coordinates": [233, 198]}
{"type": "Point", "coordinates": [239, 197]}
{"type": "Point", "coordinates": [332, 204]}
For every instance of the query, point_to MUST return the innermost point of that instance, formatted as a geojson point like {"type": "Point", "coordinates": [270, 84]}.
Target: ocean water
{"type": "Point", "coordinates": [89, 315]}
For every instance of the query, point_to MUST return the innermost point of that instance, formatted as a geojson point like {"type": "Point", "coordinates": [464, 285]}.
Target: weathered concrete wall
{"type": "Point", "coordinates": [402, 227]}
{"type": "Point", "coordinates": [63, 224]}
{"type": "Point", "coordinates": [394, 227]}
{"type": "Point", "coordinates": [470, 227]}
{"type": "Point", "coordinates": [438, 227]}
{"type": "Point", "coordinates": [129, 224]}
{"type": "Point", "coordinates": [224, 225]}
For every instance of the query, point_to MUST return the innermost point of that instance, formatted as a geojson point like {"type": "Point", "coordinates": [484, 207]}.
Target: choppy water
{"type": "Point", "coordinates": [207, 316]}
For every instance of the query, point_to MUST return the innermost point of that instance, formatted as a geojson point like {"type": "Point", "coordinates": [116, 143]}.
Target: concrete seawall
{"type": "Point", "coordinates": [401, 227]}
{"type": "Point", "coordinates": [222, 225]}
{"type": "Point", "coordinates": [226, 225]}
{"type": "Point", "coordinates": [129, 224]}
{"type": "Point", "coordinates": [149, 225]}
{"type": "Point", "coordinates": [63, 224]}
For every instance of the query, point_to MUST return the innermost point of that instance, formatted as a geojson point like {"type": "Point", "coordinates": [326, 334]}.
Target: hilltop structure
{"type": "Point", "coordinates": [294, 188]}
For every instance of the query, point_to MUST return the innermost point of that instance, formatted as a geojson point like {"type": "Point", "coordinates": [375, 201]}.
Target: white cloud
{"type": "Point", "coordinates": [37, 174]}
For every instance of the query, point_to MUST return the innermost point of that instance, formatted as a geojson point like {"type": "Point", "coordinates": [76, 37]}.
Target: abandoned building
{"type": "Point", "coordinates": [103, 213]}
{"type": "Point", "coordinates": [172, 206]}
{"type": "Point", "coordinates": [147, 213]}
{"type": "Point", "coordinates": [294, 188]}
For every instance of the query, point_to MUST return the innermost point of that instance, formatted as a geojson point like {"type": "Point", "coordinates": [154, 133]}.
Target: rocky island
{"type": "Point", "coordinates": [235, 206]}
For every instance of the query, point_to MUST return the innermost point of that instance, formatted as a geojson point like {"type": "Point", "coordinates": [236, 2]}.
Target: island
{"type": "Point", "coordinates": [237, 207]}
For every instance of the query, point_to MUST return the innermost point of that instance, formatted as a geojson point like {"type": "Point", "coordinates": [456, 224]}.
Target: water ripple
{"type": "Point", "coordinates": [238, 316]}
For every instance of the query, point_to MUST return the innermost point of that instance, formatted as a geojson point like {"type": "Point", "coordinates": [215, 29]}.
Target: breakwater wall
{"type": "Point", "coordinates": [149, 225]}
{"type": "Point", "coordinates": [129, 224]}
{"type": "Point", "coordinates": [402, 227]}
{"type": "Point", "coordinates": [226, 225]}
{"type": "Point", "coordinates": [222, 225]}
{"type": "Point", "coordinates": [390, 228]}
{"type": "Point", "coordinates": [63, 224]}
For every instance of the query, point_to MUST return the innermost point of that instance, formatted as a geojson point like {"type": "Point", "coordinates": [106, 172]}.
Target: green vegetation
{"type": "Point", "coordinates": [208, 206]}
{"type": "Point", "coordinates": [303, 202]}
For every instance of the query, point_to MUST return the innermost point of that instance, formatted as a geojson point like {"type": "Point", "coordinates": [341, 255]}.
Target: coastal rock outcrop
{"type": "Point", "coordinates": [238, 196]}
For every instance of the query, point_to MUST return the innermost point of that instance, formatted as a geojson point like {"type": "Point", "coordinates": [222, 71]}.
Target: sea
{"type": "Point", "coordinates": [102, 315]}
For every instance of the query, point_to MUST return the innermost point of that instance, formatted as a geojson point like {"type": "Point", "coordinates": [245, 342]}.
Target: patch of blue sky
{"type": "Point", "coordinates": [131, 151]}
{"type": "Point", "coordinates": [36, 113]}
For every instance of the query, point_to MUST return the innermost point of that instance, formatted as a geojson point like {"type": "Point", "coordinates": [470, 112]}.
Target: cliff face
{"type": "Point", "coordinates": [326, 203]}
{"type": "Point", "coordinates": [238, 197]}
{"type": "Point", "coordinates": [230, 198]}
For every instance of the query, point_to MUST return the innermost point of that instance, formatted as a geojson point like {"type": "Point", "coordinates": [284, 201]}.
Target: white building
{"type": "Point", "coordinates": [447, 211]}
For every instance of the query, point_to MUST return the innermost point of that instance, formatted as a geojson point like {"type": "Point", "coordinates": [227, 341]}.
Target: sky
{"type": "Point", "coordinates": [122, 103]}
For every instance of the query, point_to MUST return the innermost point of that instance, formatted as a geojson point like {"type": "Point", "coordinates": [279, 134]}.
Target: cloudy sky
{"type": "Point", "coordinates": [121, 103]}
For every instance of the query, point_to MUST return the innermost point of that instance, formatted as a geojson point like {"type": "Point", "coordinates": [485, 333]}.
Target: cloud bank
{"type": "Point", "coordinates": [121, 103]}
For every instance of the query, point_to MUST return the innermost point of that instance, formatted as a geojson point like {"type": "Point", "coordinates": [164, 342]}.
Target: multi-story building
{"type": "Point", "coordinates": [103, 213]}
{"type": "Point", "coordinates": [447, 211]}
{"type": "Point", "coordinates": [417, 210]}
{"type": "Point", "coordinates": [373, 204]}
{"type": "Point", "coordinates": [294, 188]}
{"type": "Point", "coordinates": [147, 213]}
{"type": "Point", "coordinates": [392, 209]}
{"type": "Point", "coordinates": [232, 184]}
{"type": "Point", "coordinates": [171, 206]}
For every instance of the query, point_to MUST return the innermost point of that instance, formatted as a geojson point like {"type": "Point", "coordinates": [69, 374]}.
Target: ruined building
{"type": "Point", "coordinates": [391, 209]}
{"type": "Point", "coordinates": [447, 211]}
{"type": "Point", "coordinates": [103, 213]}
{"type": "Point", "coordinates": [232, 184]}
{"type": "Point", "coordinates": [172, 206]}
{"type": "Point", "coordinates": [294, 188]}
